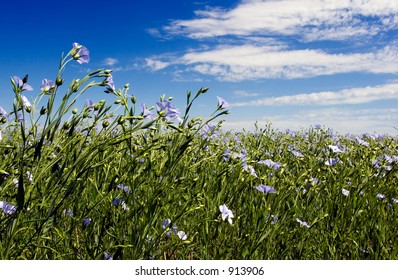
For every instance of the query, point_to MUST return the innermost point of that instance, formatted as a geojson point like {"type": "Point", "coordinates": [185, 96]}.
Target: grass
{"type": "Point", "coordinates": [130, 172]}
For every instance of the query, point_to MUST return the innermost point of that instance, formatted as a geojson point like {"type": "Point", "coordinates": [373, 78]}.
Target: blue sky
{"type": "Point", "coordinates": [295, 63]}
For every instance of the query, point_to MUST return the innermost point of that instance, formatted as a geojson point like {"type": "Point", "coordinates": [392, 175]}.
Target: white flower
{"type": "Point", "coordinates": [30, 177]}
{"type": "Point", "coordinates": [303, 223]}
{"type": "Point", "coordinates": [335, 149]}
{"type": "Point", "coordinates": [381, 196]}
{"type": "Point", "coordinates": [345, 192]}
{"type": "Point", "coordinates": [225, 212]}
{"type": "Point", "coordinates": [182, 235]}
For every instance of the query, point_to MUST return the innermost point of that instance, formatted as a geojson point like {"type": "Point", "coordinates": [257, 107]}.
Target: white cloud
{"type": "Point", "coordinates": [244, 93]}
{"type": "Point", "coordinates": [259, 36]}
{"type": "Point", "coordinates": [155, 64]}
{"type": "Point", "coordinates": [346, 96]}
{"type": "Point", "coordinates": [109, 61]}
{"type": "Point", "coordinates": [306, 18]}
{"type": "Point", "coordinates": [237, 63]}
{"type": "Point", "coordinates": [342, 120]}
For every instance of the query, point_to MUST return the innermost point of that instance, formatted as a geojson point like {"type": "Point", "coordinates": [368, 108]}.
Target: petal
{"type": "Point", "coordinates": [76, 46]}
{"type": "Point", "coordinates": [17, 80]}
{"type": "Point", "coordinates": [27, 87]}
{"type": "Point", "coordinates": [182, 235]}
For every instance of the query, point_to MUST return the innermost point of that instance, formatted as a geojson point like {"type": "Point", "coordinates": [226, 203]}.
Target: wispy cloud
{"type": "Point", "coordinates": [309, 19]}
{"type": "Point", "coordinates": [155, 64]}
{"type": "Point", "coordinates": [346, 96]}
{"type": "Point", "coordinates": [343, 120]}
{"type": "Point", "coordinates": [248, 62]}
{"type": "Point", "coordinates": [244, 93]}
{"type": "Point", "coordinates": [109, 61]}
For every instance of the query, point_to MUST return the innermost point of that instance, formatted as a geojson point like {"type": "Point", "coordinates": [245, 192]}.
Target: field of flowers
{"type": "Point", "coordinates": [130, 181]}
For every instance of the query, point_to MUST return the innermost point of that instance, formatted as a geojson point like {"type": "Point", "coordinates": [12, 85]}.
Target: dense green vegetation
{"type": "Point", "coordinates": [153, 183]}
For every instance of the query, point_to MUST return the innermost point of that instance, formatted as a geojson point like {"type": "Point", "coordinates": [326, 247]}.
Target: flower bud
{"type": "Point", "coordinates": [74, 111]}
{"type": "Point", "coordinates": [107, 72]}
{"type": "Point", "coordinates": [133, 99]}
{"type": "Point", "coordinates": [121, 120]}
{"type": "Point", "coordinates": [3, 120]}
{"type": "Point", "coordinates": [203, 90]}
{"type": "Point", "coordinates": [28, 109]}
{"type": "Point", "coordinates": [66, 126]}
{"type": "Point", "coordinates": [126, 86]}
{"type": "Point", "coordinates": [59, 81]}
{"type": "Point", "coordinates": [25, 79]}
{"type": "Point", "coordinates": [75, 85]}
{"type": "Point", "coordinates": [96, 107]}
{"type": "Point", "coordinates": [43, 111]}
{"type": "Point", "coordinates": [117, 101]}
{"type": "Point", "coordinates": [105, 124]}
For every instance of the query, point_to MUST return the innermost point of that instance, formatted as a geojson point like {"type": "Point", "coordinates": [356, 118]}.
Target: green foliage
{"type": "Point", "coordinates": [129, 174]}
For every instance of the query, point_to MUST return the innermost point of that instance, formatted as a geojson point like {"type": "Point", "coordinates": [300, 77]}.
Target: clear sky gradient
{"type": "Point", "coordinates": [296, 63]}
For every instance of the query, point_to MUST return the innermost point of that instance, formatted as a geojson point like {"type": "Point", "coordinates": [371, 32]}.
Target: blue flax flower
{"type": "Point", "coordinates": [110, 83]}
{"type": "Point", "coordinates": [146, 113]}
{"type": "Point", "coordinates": [107, 257]}
{"type": "Point", "coordinates": [226, 155]}
{"type": "Point", "coordinates": [208, 131]}
{"type": "Point", "coordinates": [3, 113]}
{"type": "Point", "coordinates": [47, 86]}
{"type": "Point", "coordinates": [296, 153]}
{"type": "Point", "coordinates": [117, 201]}
{"type": "Point", "coordinates": [265, 189]}
{"type": "Point", "coordinates": [362, 142]}
{"type": "Point", "coordinates": [249, 168]}
{"type": "Point", "coordinates": [124, 188]}
{"type": "Point", "coordinates": [68, 212]}
{"type": "Point", "coordinates": [170, 112]}
{"type": "Point", "coordinates": [7, 207]}
{"type": "Point", "coordinates": [21, 84]}
{"type": "Point", "coordinates": [270, 163]}
{"type": "Point", "coordinates": [166, 223]}
{"type": "Point", "coordinates": [331, 161]}
{"type": "Point", "coordinates": [81, 53]}
{"type": "Point", "coordinates": [222, 104]}
{"type": "Point", "coordinates": [274, 219]}
{"type": "Point", "coordinates": [86, 221]}
{"type": "Point", "coordinates": [25, 102]}
{"type": "Point", "coordinates": [335, 149]}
